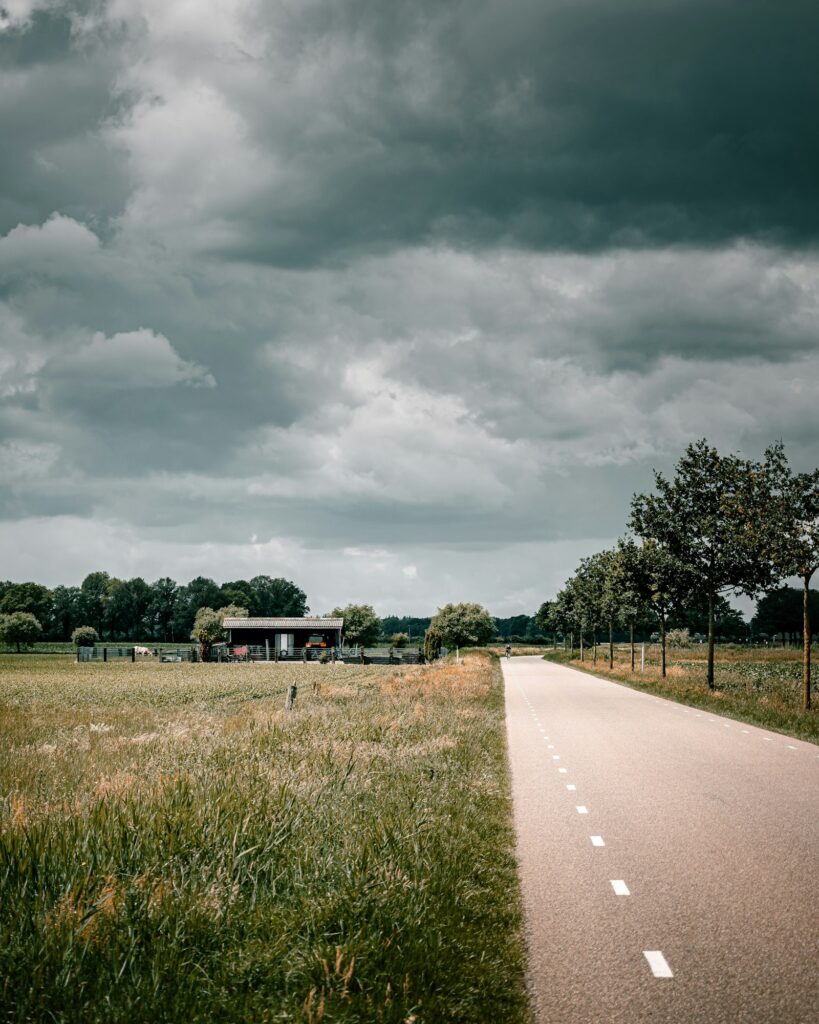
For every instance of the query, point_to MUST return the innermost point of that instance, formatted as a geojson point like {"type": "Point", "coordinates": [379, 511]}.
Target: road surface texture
{"type": "Point", "coordinates": [669, 858]}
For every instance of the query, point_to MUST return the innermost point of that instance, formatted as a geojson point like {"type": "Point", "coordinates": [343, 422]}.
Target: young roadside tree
{"type": "Point", "coordinates": [591, 597]}
{"type": "Point", "coordinates": [20, 629]}
{"type": "Point", "coordinates": [361, 625]}
{"type": "Point", "coordinates": [208, 629]}
{"type": "Point", "coordinates": [464, 625]}
{"type": "Point", "coordinates": [634, 606]}
{"type": "Point", "coordinates": [714, 518]}
{"type": "Point", "coordinates": [796, 545]}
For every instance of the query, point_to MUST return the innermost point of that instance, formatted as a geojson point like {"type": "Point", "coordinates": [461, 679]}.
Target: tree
{"type": "Point", "coordinates": [208, 629]}
{"type": "Point", "coordinates": [163, 607]}
{"type": "Point", "coordinates": [19, 628]}
{"type": "Point", "coordinates": [782, 611]}
{"type": "Point", "coordinates": [238, 592]}
{"type": "Point", "coordinates": [65, 611]}
{"type": "Point", "coordinates": [796, 544]}
{"type": "Point", "coordinates": [84, 636]}
{"type": "Point", "coordinates": [658, 581]}
{"type": "Point", "coordinates": [271, 597]}
{"type": "Point", "coordinates": [399, 640]}
{"type": "Point", "coordinates": [433, 643]}
{"type": "Point", "coordinates": [463, 625]}
{"type": "Point", "coordinates": [361, 625]}
{"type": "Point", "coordinates": [33, 598]}
{"type": "Point", "coordinates": [94, 598]}
{"type": "Point", "coordinates": [712, 518]}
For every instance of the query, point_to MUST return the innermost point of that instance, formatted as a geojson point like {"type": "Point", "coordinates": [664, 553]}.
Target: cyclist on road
{"type": "Point", "coordinates": [508, 650]}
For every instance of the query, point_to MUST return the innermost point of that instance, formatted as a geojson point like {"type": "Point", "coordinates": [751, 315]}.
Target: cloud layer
{"type": "Point", "coordinates": [414, 295]}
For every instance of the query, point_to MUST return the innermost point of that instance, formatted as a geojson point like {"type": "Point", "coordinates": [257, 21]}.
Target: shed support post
{"type": "Point", "coordinates": [266, 649]}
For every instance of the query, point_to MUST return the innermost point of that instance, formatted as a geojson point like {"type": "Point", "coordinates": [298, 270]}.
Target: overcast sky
{"type": "Point", "coordinates": [399, 300]}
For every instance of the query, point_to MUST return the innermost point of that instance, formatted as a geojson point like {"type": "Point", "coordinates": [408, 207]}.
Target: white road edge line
{"type": "Point", "coordinates": [620, 887]}
{"type": "Point", "coordinates": [597, 841]}
{"type": "Point", "coordinates": [658, 963]}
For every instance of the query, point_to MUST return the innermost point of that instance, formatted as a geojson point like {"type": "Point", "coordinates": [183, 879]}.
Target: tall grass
{"type": "Point", "coordinates": [177, 847]}
{"type": "Point", "coordinates": [763, 687]}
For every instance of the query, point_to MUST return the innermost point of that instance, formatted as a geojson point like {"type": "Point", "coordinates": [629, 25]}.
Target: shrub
{"type": "Point", "coordinates": [20, 629]}
{"type": "Point", "coordinates": [678, 638]}
{"type": "Point", "coordinates": [84, 636]}
{"type": "Point", "coordinates": [399, 640]}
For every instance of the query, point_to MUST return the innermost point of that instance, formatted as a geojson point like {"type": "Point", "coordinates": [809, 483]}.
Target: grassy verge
{"type": "Point", "coordinates": [760, 687]}
{"type": "Point", "coordinates": [177, 847]}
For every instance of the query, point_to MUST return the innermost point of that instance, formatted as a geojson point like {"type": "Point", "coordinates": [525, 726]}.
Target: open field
{"type": "Point", "coordinates": [762, 686]}
{"type": "Point", "coordinates": [177, 847]}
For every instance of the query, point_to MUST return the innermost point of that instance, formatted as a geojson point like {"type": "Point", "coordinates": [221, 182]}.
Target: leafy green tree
{"type": "Point", "coordinates": [208, 629]}
{"type": "Point", "coordinates": [272, 597]}
{"type": "Point", "coordinates": [795, 499]}
{"type": "Point", "coordinates": [361, 625]}
{"type": "Point", "coordinates": [635, 608]}
{"type": "Point", "coordinates": [162, 608]}
{"type": "Point", "coordinates": [782, 611]}
{"type": "Point", "coordinates": [712, 518]}
{"type": "Point", "coordinates": [94, 599]}
{"type": "Point", "coordinates": [19, 628]}
{"type": "Point", "coordinates": [433, 642]}
{"type": "Point", "coordinates": [201, 592]}
{"type": "Point", "coordinates": [33, 598]}
{"type": "Point", "coordinates": [65, 612]}
{"type": "Point", "coordinates": [399, 640]}
{"type": "Point", "coordinates": [84, 636]}
{"type": "Point", "coordinates": [238, 592]}
{"type": "Point", "coordinates": [464, 625]}
{"type": "Point", "coordinates": [658, 581]}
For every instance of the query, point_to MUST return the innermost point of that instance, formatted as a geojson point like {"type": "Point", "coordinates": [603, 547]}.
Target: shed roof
{"type": "Point", "coordinates": [293, 623]}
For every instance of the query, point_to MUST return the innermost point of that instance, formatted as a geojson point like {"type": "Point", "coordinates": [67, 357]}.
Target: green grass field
{"type": "Point", "coordinates": [175, 846]}
{"type": "Point", "coordinates": [761, 686]}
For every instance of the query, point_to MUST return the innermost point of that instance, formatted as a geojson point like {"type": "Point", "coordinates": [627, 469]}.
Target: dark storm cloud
{"type": "Point", "coordinates": [362, 289]}
{"type": "Point", "coordinates": [551, 126]}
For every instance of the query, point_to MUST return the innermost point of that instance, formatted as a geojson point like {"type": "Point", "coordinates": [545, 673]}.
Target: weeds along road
{"type": "Point", "coordinates": [669, 858]}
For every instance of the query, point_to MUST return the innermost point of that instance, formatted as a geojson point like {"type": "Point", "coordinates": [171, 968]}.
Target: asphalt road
{"type": "Point", "coordinates": [709, 860]}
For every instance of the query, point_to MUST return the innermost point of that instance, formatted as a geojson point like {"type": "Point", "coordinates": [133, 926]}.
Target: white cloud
{"type": "Point", "coordinates": [55, 246]}
{"type": "Point", "coordinates": [134, 360]}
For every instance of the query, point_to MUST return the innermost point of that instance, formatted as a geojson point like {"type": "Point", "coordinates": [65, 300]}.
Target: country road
{"type": "Point", "coordinates": [669, 858]}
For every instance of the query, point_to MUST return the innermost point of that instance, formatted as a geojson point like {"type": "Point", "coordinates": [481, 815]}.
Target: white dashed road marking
{"type": "Point", "coordinates": [571, 787]}
{"type": "Point", "coordinates": [564, 770]}
{"type": "Point", "coordinates": [620, 887]}
{"type": "Point", "coordinates": [582, 810]}
{"type": "Point", "coordinates": [597, 841]}
{"type": "Point", "coordinates": [658, 963]}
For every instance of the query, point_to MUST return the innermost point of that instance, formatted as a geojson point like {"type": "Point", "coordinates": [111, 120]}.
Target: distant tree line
{"type": "Point", "coordinates": [722, 525]}
{"type": "Point", "coordinates": [163, 611]}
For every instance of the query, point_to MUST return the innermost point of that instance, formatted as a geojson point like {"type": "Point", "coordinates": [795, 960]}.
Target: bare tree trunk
{"type": "Point", "coordinates": [631, 641]}
{"type": "Point", "coordinates": [594, 642]}
{"type": "Point", "coordinates": [806, 633]}
{"type": "Point", "coordinates": [581, 646]}
{"type": "Point", "coordinates": [611, 644]}
{"type": "Point", "coordinates": [711, 640]}
{"type": "Point", "coordinates": [662, 644]}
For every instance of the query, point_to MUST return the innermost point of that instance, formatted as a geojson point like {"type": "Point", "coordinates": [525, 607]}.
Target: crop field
{"type": "Point", "coordinates": [762, 686]}
{"type": "Point", "coordinates": [176, 846]}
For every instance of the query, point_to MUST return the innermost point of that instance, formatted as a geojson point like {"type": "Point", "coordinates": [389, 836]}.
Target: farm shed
{"type": "Point", "coordinates": [285, 637]}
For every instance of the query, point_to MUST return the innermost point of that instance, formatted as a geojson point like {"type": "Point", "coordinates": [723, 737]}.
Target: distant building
{"type": "Point", "coordinates": [285, 637]}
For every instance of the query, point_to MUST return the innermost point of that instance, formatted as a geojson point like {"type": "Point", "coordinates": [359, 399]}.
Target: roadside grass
{"type": "Point", "coordinates": [763, 687]}
{"type": "Point", "coordinates": [175, 846]}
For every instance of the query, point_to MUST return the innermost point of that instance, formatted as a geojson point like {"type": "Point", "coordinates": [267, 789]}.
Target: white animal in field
{"type": "Point", "coordinates": [143, 652]}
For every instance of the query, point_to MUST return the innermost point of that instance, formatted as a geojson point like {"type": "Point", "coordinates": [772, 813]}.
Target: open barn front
{"type": "Point", "coordinates": [284, 639]}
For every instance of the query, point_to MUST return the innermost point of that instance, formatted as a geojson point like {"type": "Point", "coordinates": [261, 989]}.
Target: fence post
{"type": "Point", "coordinates": [290, 699]}
{"type": "Point", "coordinates": [105, 654]}
{"type": "Point", "coordinates": [133, 654]}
